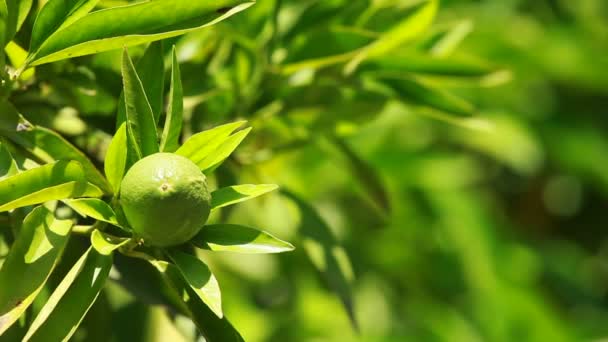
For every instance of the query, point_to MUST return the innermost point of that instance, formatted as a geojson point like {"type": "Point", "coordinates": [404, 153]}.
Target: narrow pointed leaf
{"type": "Point", "coordinates": [200, 145]}
{"type": "Point", "coordinates": [207, 322]}
{"type": "Point", "coordinates": [133, 24]}
{"type": "Point", "coordinates": [106, 244]}
{"type": "Point", "coordinates": [55, 15]}
{"type": "Point", "coordinates": [94, 208]}
{"type": "Point", "coordinates": [223, 151]}
{"type": "Point", "coordinates": [239, 239]}
{"type": "Point", "coordinates": [31, 260]}
{"type": "Point", "coordinates": [59, 180]}
{"type": "Point", "coordinates": [238, 193]}
{"type": "Point", "coordinates": [411, 90]}
{"type": "Point", "coordinates": [405, 31]}
{"type": "Point", "coordinates": [69, 303]}
{"type": "Point", "coordinates": [201, 280]}
{"type": "Point", "coordinates": [366, 176]}
{"type": "Point", "coordinates": [151, 71]}
{"type": "Point", "coordinates": [175, 110]}
{"type": "Point", "coordinates": [141, 126]}
{"type": "Point", "coordinates": [8, 167]}
{"type": "Point", "coordinates": [325, 253]}
{"type": "Point", "coordinates": [24, 9]}
{"type": "Point", "coordinates": [116, 158]}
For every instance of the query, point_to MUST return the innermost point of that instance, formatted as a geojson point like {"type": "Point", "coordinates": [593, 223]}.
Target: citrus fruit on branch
{"type": "Point", "coordinates": [165, 199]}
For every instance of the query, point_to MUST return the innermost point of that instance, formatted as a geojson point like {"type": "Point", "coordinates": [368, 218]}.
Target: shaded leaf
{"type": "Point", "coordinates": [200, 279]}
{"type": "Point", "coordinates": [116, 158]}
{"type": "Point", "coordinates": [238, 193]}
{"type": "Point", "coordinates": [238, 239]}
{"type": "Point", "coordinates": [55, 15]}
{"type": "Point", "coordinates": [175, 110]}
{"type": "Point", "coordinates": [31, 260]}
{"type": "Point", "coordinates": [73, 297]}
{"type": "Point", "coordinates": [141, 126]}
{"type": "Point", "coordinates": [365, 175]}
{"type": "Point", "coordinates": [410, 90]}
{"type": "Point", "coordinates": [59, 180]}
{"type": "Point", "coordinates": [325, 253]}
{"type": "Point", "coordinates": [133, 24]}
{"type": "Point", "coordinates": [201, 145]}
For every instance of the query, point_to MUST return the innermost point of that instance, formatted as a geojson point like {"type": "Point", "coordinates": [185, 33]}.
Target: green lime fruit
{"type": "Point", "coordinates": [165, 199]}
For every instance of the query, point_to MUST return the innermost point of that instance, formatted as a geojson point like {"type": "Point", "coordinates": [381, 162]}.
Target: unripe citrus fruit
{"type": "Point", "coordinates": [165, 199]}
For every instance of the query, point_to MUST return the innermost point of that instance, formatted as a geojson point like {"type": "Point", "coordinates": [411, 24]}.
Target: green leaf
{"type": "Point", "coordinates": [141, 126]}
{"type": "Point", "coordinates": [223, 151]}
{"type": "Point", "coordinates": [31, 260]}
{"type": "Point", "coordinates": [365, 175]}
{"type": "Point", "coordinates": [201, 145]}
{"type": "Point", "coordinates": [24, 8]}
{"type": "Point", "coordinates": [94, 208]}
{"type": "Point", "coordinates": [410, 90]}
{"type": "Point", "coordinates": [175, 110]}
{"type": "Point", "coordinates": [325, 253]}
{"type": "Point", "coordinates": [106, 244]}
{"type": "Point", "coordinates": [45, 144]}
{"type": "Point", "coordinates": [56, 15]}
{"type": "Point", "coordinates": [151, 70]}
{"type": "Point", "coordinates": [8, 20]}
{"type": "Point", "coordinates": [133, 24]}
{"type": "Point", "coordinates": [116, 158]}
{"type": "Point", "coordinates": [207, 322]}
{"type": "Point", "coordinates": [200, 279]}
{"type": "Point", "coordinates": [445, 42]}
{"type": "Point", "coordinates": [69, 303]}
{"type": "Point", "coordinates": [59, 180]}
{"type": "Point", "coordinates": [8, 167]}
{"type": "Point", "coordinates": [405, 31]}
{"type": "Point", "coordinates": [424, 64]}
{"type": "Point", "coordinates": [238, 193]}
{"type": "Point", "coordinates": [239, 239]}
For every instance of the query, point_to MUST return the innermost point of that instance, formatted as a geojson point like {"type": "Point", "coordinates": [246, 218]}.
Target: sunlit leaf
{"type": "Point", "coordinates": [56, 15]}
{"type": "Point", "coordinates": [175, 110]}
{"type": "Point", "coordinates": [116, 158]}
{"type": "Point", "coordinates": [8, 167]}
{"type": "Point", "coordinates": [239, 239]}
{"type": "Point", "coordinates": [201, 280]}
{"type": "Point", "coordinates": [223, 151]}
{"type": "Point", "coordinates": [199, 146]}
{"type": "Point", "coordinates": [150, 69]}
{"type": "Point", "coordinates": [45, 144]}
{"type": "Point", "coordinates": [31, 259]}
{"type": "Point", "coordinates": [73, 297]}
{"type": "Point", "coordinates": [106, 244]}
{"type": "Point", "coordinates": [408, 29]}
{"type": "Point", "coordinates": [238, 193]}
{"type": "Point", "coordinates": [133, 24]}
{"type": "Point", "coordinates": [141, 126]}
{"type": "Point", "coordinates": [208, 323]}
{"type": "Point", "coordinates": [59, 180]}
{"type": "Point", "coordinates": [94, 208]}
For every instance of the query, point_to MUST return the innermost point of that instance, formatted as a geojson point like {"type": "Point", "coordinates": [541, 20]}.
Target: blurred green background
{"type": "Point", "coordinates": [476, 213]}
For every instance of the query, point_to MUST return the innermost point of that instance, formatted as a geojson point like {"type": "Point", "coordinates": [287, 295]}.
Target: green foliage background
{"type": "Point", "coordinates": [452, 187]}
